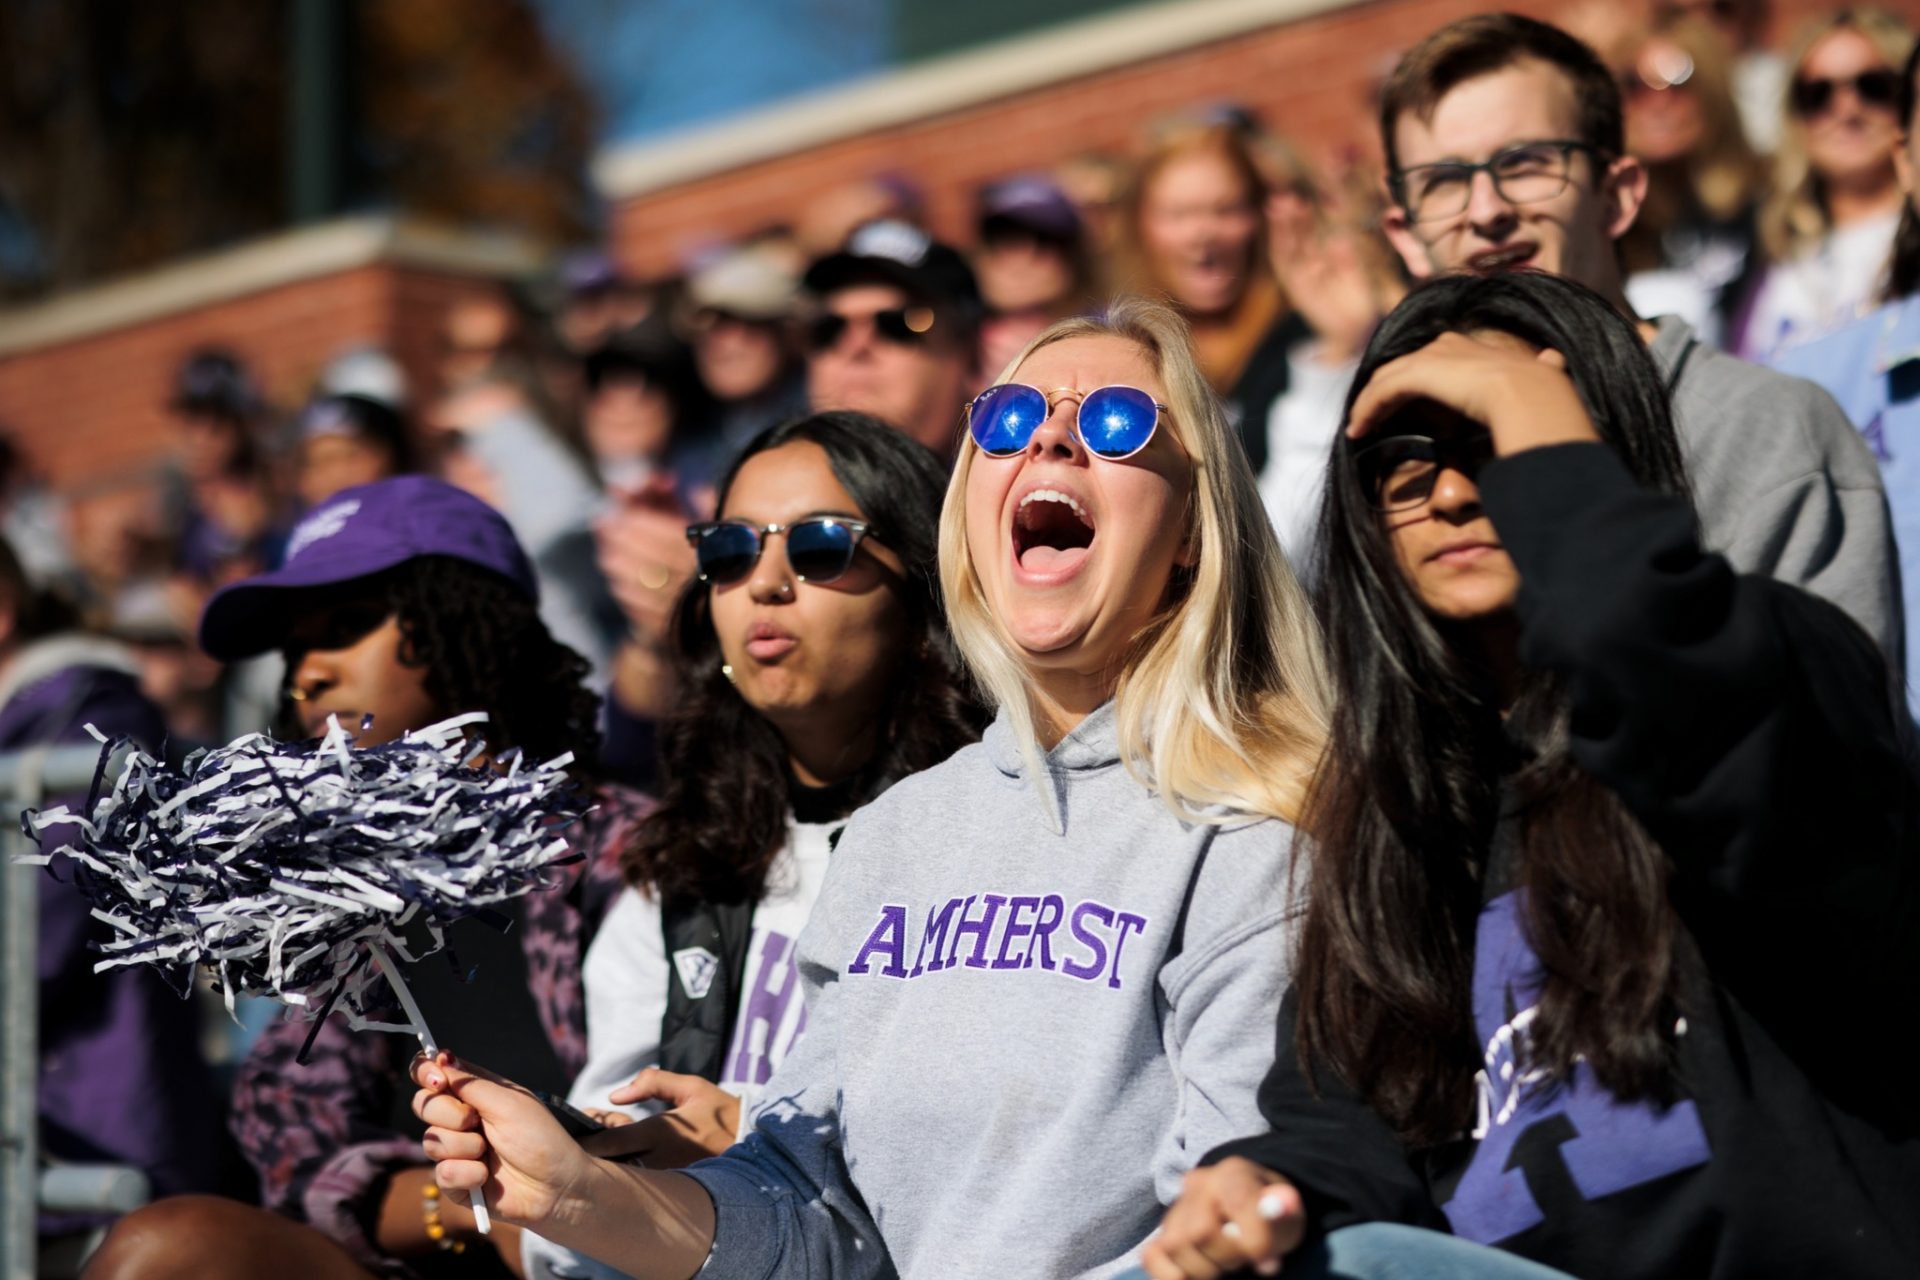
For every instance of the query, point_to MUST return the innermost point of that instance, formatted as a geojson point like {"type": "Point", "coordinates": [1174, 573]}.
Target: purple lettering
{"type": "Point", "coordinates": [980, 929]}
{"type": "Point", "coordinates": [1052, 910]}
{"type": "Point", "coordinates": [765, 1009]}
{"type": "Point", "coordinates": [1093, 942]}
{"type": "Point", "coordinates": [888, 939]}
{"type": "Point", "coordinates": [1015, 930]}
{"type": "Point", "coordinates": [1122, 923]}
{"type": "Point", "coordinates": [934, 937]}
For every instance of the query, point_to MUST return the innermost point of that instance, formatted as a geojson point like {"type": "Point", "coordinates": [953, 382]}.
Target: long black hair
{"type": "Point", "coordinates": [724, 795]}
{"type": "Point", "coordinates": [1903, 270]}
{"type": "Point", "coordinates": [482, 646]}
{"type": "Point", "coordinates": [1411, 787]}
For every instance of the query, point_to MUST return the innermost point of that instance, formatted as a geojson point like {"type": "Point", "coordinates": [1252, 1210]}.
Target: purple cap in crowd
{"type": "Point", "coordinates": [357, 532]}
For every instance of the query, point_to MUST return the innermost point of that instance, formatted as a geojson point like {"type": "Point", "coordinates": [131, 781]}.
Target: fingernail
{"type": "Point", "coordinates": [1271, 1267]}
{"type": "Point", "coordinates": [1273, 1204]}
{"type": "Point", "coordinates": [434, 1081]}
{"type": "Point", "coordinates": [1231, 1231]}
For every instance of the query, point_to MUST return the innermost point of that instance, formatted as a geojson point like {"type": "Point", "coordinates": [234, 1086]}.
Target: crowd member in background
{"type": "Point", "coordinates": [738, 316]}
{"type": "Point", "coordinates": [1094, 181]}
{"type": "Point", "coordinates": [1031, 260]}
{"type": "Point", "coordinates": [596, 302]}
{"type": "Point", "coordinates": [349, 440]}
{"type": "Point", "coordinates": [121, 1078]}
{"type": "Point", "coordinates": [33, 519]}
{"type": "Point", "coordinates": [642, 396]}
{"type": "Point", "coordinates": [893, 330]}
{"type": "Point", "coordinates": [498, 439]}
{"type": "Point", "coordinates": [1504, 143]}
{"type": "Point", "coordinates": [1690, 252]}
{"type": "Point", "coordinates": [816, 672]}
{"type": "Point", "coordinates": [1872, 366]}
{"type": "Point", "coordinates": [1082, 914]}
{"type": "Point", "coordinates": [1191, 231]}
{"type": "Point", "coordinates": [1582, 761]}
{"type": "Point", "coordinates": [222, 514]}
{"type": "Point", "coordinates": [478, 332]}
{"type": "Point", "coordinates": [1828, 225]}
{"type": "Point", "coordinates": [1759, 74]}
{"type": "Point", "coordinates": [409, 601]}
{"type": "Point", "coordinates": [1325, 249]}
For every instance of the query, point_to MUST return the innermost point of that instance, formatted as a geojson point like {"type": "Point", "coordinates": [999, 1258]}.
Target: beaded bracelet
{"type": "Point", "coordinates": [436, 1229]}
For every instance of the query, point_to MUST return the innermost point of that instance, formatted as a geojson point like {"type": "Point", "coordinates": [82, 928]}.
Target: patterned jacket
{"type": "Point", "coordinates": [320, 1136]}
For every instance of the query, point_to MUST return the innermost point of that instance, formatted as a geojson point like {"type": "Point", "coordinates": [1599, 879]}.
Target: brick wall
{"type": "Point", "coordinates": [1312, 79]}
{"type": "Point", "coordinates": [94, 406]}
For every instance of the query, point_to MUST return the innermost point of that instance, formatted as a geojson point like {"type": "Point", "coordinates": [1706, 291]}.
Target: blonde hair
{"type": "Point", "coordinates": [1227, 342]}
{"type": "Point", "coordinates": [1222, 700]}
{"type": "Point", "coordinates": [1795, 215]}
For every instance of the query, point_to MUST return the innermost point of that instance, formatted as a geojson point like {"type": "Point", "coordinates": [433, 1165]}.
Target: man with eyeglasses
{"type": "Point", "coordinates": [1505, 151]}
{"type": "Point", "coordinates": [894, 331]}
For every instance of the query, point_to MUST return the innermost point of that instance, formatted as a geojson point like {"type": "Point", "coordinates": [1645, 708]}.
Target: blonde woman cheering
{"type": "Point", "coordinates": [1032, 970]}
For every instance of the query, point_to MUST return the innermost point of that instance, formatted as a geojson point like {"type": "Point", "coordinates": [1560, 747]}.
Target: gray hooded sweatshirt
{"type": "Point", "coordinates": [1784, 485]}
{"type": "Point", "coordinates": [1019, 1038]}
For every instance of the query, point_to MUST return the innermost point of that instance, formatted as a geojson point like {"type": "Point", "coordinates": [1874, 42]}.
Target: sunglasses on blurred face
{"type": "Point", "coordinates": [1814, 97]}
{"type": "Point", "coordinates": [902, 326]}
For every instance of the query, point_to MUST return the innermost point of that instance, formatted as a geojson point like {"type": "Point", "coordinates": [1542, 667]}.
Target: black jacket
{"type": "Point", "coordinates": [1752, 730]}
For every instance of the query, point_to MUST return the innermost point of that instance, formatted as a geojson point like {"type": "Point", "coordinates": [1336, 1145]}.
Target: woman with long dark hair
{"type": "Point", "coordinates": [817, 672]}
{"type": "Point", "coordinates": [1872, 366]}
{"type": "Point", "coordinates": [1611, 879]}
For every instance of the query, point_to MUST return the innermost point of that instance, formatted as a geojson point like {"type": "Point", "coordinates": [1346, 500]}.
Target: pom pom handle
{"type": "Point", "coordinates": [476, 1198]}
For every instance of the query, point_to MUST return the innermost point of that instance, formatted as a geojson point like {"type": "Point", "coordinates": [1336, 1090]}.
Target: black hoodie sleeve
{"type": "Point", "coordinates": [1348, 1164]}
{"type": "Point", "coordinates": [1751, 727]}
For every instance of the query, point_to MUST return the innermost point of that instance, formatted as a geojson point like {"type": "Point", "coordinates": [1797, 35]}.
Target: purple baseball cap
{"type": "Point", "coordinates": [354, 533]}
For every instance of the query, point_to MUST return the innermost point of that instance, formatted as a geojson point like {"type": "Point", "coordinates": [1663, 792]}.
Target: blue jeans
{"type": "Point", "coordinates": [1389, 1251]}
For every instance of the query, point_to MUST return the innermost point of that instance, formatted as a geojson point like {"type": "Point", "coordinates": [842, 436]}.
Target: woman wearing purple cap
{"type": "Point", "coordinates": [400, 603]}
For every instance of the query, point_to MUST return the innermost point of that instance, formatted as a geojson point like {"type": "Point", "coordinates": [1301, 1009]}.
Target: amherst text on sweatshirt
{"type": "Point", "coordinates": [997, 931]}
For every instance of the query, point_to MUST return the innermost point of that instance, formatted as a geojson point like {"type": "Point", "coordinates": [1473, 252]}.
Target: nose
{"type": "Point", "coordinates": [857, 338]}
{"type": "Point", "coordinates": [1487, 209]}
{"type": "Point", "coordinates": [313, 675]}
{"type": "Point", "coordinates": [1057, 437]}
{"type": "Point", "coordinates": [1455, 497]}
{"type": "Point", "coordinates": [772, 579]}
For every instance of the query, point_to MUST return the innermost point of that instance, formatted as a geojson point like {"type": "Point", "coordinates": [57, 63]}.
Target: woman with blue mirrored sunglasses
{"type": "Point", "coordinates": [1113, 422]}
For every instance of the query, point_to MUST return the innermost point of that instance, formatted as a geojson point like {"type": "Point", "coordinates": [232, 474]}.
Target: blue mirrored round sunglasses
{"type": "Point", "coordinates": [1112, 422]}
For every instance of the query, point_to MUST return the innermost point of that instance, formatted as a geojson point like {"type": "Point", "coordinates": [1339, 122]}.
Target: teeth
{"type": "Point", "coordinates": [1053, 495]}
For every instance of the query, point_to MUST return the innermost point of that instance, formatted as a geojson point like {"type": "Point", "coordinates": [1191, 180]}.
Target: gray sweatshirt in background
{"type": "Point", "coordinates": [1016, 1044]}
{"type": "Point", "coordinates": [1784, 485]}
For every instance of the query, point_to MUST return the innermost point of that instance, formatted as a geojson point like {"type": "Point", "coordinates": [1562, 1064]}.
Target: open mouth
{"type": "Point", "coordinates": [1505, 258]}
{"type": "Point", "coordinates": [1050, 531]}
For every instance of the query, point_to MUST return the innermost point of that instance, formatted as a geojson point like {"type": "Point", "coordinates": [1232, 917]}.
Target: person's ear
{"type": "Point", "coordinates": [1624, 188]}
{"type": "Point", "coordinates": [1903, 165]}
{"type": "Point", "coordinates": [1411, 248]}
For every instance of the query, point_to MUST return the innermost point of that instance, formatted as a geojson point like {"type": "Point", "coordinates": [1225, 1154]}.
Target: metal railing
{"type": "Point", "coordinates": [26, 779]}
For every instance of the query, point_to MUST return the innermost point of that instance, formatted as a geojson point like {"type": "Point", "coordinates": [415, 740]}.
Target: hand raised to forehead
{"type": "Point", "coordinates": [1523, 397]}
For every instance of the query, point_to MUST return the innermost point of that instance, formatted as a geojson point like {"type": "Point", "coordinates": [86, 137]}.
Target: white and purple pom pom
{"type": "Point", "coordinates": [290, 869]}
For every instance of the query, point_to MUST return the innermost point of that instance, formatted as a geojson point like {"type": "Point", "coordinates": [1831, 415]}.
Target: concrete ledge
{"type": "Point", "coordinates": [258, 265]}
{"type": "Point", "coordinates": [939, 86]}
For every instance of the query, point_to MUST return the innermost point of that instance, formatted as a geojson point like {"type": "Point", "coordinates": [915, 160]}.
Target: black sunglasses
{"type": "Point", "coordinates": [819, 548]}
{"type": "Point", "coordinates": [1399, 472]}
{"type": "Point", "coordinates": [906, 326]}
{"type": "Point", "coordinates": [1813, 97]}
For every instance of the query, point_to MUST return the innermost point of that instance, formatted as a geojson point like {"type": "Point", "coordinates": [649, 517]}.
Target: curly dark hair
{"type": "Point", "coordinates": [725, 782]}
{"type": "Point", "coordinates": [483, 647]}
